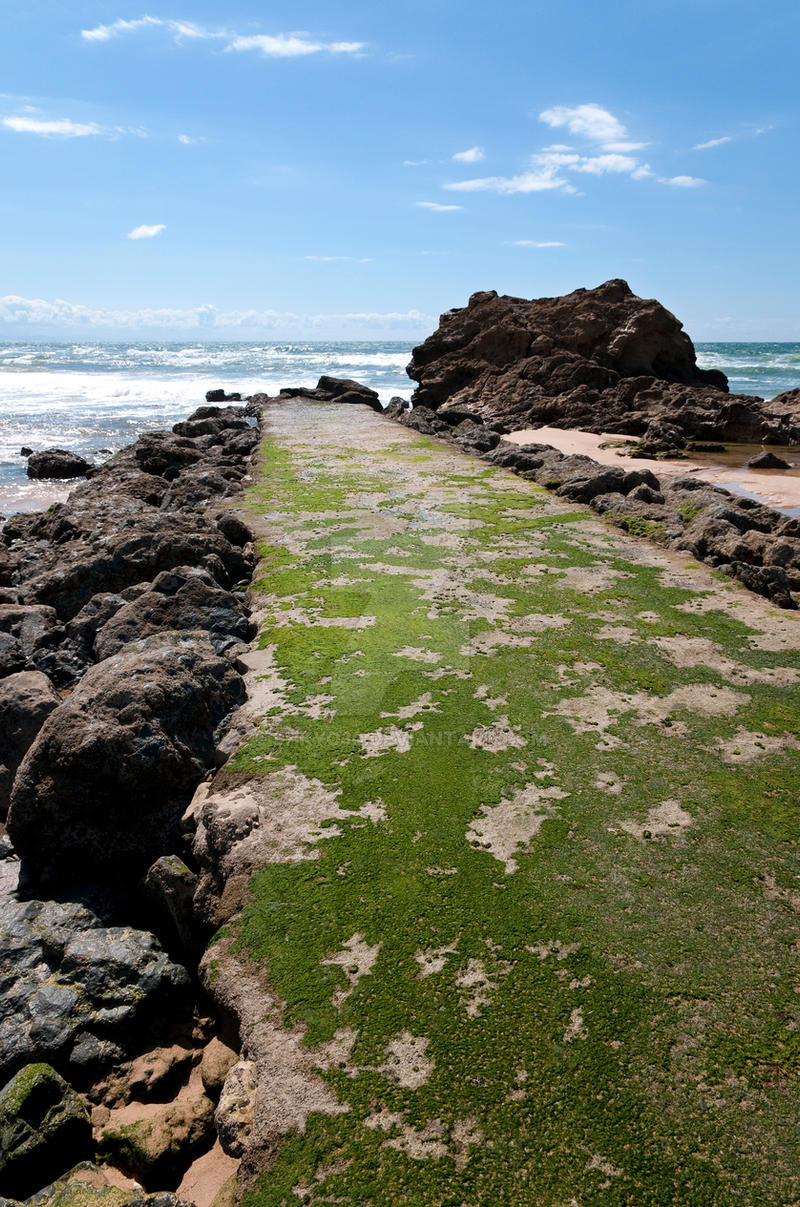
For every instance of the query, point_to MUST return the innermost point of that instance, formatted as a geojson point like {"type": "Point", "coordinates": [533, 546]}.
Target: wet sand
{"type": "Point", "coordinates": [34, 496]}
{"type": "Point", "coordinates": [779, 488]}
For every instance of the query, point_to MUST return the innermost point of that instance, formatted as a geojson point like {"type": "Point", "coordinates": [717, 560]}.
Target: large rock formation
{"type": "Point", "coordinates": [104, 784]}
{"type": "Point", "coordinates": [599, 359]}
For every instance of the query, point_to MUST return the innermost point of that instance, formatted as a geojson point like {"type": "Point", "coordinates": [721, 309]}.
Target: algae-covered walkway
{"type": "Point", "coordinates": [527, 799]}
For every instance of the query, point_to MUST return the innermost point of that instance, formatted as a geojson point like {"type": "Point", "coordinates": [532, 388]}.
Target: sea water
{"type": "Point", "coordinates": [94, 398]}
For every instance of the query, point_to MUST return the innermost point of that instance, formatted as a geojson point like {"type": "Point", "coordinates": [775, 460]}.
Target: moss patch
{"type": "Point", "coordinates": [600, 1010]}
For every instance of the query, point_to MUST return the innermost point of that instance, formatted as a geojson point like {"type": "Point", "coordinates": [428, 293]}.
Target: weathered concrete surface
{"type": "Point", "coordinates": [509, 854]}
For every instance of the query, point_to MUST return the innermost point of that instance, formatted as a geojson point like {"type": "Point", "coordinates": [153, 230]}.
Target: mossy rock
{"type": "Point", "coordinates": [44, 1127]}
{"type": "Point", "coordinates": [156, 1150]}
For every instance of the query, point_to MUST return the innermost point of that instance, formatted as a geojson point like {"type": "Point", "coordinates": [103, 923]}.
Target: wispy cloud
{"type": "Point", "coordinates": [544, 178]}
{"type": "Point", "coordinates": [334, 259]}
{"type": "Point", "coordinates": [189, 141]}
{"type": "Point", "coordinates": [60, 127]}
{"type": "Point", "coordinates": [537, 243]}
{"type": "Point", "coordinates": [36, 312]}
{"type": "Point", "coordinates": [748, 132]}
{"type": "Point", "coordinates": [683, 182]}
{"type": "Point", "coordinates": [414, 163]}
{"type": "Point", "coordinates": [270, 46]}
{"type": "Point", "coordinates": [713, 142]}
{"type": "Point", "coordinates": [473, 155]}
{"type": "Point", "coordinates": [102, 33]}
{"type": "Point", "coordinates": [146, 232]}
{"type": "Point", "coordinates": [436, 207]}
{"type": "Point", "coordinates": [291, 46]}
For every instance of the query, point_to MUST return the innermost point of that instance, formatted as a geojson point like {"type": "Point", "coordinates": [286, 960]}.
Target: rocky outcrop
{"type": "Point", "coordinates": [57, 463]}
{"type": "Point", "coordinates": [599, 359]}
{"type": "Point", "coordinates": [122, 617]}
{"type": "Point", "coordinates": [103, 787]}
{"type": "Point", "coordinates": [79, 994]}
{"type": "Point", "coordinates": [329, 389]}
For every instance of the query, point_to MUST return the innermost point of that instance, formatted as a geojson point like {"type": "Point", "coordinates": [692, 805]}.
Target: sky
{"type": "Point", "coordinates": [313, 170]}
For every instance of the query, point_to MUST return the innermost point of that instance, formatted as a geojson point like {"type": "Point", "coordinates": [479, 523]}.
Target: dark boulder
{"type": "Point", "coordinates": [26, 701]}
{"type": "Point", "coordinates": [179, 599]}
{"type": "Point", "coordinates": [12, 655]}
{"type": "Point", "coordinates": [767, 460]}
{"type": "Point", "coordinates": [425, 421]}
{"type": "Point", "coordinates": [103, 787]}
{"type": "Point", "coordinates": [57, 463]}
{"type": "Point", "coordinates": [343, 389]}
{"type": "Point", "coordinates": [221, 396]}
{"type": "Point", "coordinates": [79, 994]}
{"type": "Point", "coordinates": [475, 437]}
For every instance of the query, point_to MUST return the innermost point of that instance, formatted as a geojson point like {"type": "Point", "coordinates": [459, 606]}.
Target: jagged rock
{"type": "Point", "coordinates": [599, 359]}
{"type": "Point", "coordinates": [771, 581]}
{"type": "Point", "coordinates": [57, 463]}
{"type": "Point", "coordinates": [67, 575]}
{"type": "Point", "coordinates": [169, 887]}
{"type": "Point", "coordinates": [77, 993]}
{"type": "Point", "coordinates": [646, 494]}
{"type": "Point", "coordinates": [220, 396]}
{"type": "Point", "coordinates": [661, 439]}
{"type": "Point", "coordinates": [475, 437]}
{"type": "Point", "coordinates": [104, 785]}
{"type": "Point", "coordinates": [12, 655]}
{"type": "Point", "coordinates": [767, 460]}
{"type": "Point", "coordinates": [343, 389]}
{"type": "Point", "coordinates": [425, 421]}
{"type": "Point", "coordinates": [395, 408]}
{"type": "Point", "coordinates": [26, 701]}
{"type": "Point", "coordinates": [44, 1129]}
{"type": "Point", "coordinates": [182, 598]}
{"type": "Point", "coordinates": [582, 488]}
{"type": "Point", "coordinates": [236, 1108]}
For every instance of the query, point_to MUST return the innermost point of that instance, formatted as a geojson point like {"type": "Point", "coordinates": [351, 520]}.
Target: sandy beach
{"type": "Point", "coordinates": [779, 488]}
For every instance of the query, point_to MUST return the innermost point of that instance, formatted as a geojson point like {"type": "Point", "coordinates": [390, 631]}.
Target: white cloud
{"type": "Point", "coordinates": [473, 155]}
{"type": "Point", "coordinates": [271, 46]}
{"type": "Point", "coordinates": [146, 232]}
{"type": "Point", "coordinates": [290, 46]}
{"type": "Point", "coordinates": [610, 153]}
{"type": "Point", "coordinates": [435, 207]}
{"type": "Point", "coordinates": [537, 243]}
{"type": "Point", "coordinates": [683, 182]}
{"type": "Point", "coordinates": [36, 312]}
{"type": "Point", "coordinates": [542, 180]}
{"type": "Point", "coordinates": [588, 121]}
{"type": "Point", "coordinates": [59, 128]}
{"type": "Point", "coordinates": [713, 142]}
{"type": "Point", "coordinates": [103, 33]}
{"type": "Point", "coordinates": [599, 165]}
{"type": "Point", "coordinates": [189, 141]}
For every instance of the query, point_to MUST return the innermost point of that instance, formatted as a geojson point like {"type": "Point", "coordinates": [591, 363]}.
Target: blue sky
{"type": "Point", "coordinates": [327, 170]}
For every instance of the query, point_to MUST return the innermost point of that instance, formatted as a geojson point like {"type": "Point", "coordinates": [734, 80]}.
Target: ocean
{"type": "Point", "coordinates": [94, 398]}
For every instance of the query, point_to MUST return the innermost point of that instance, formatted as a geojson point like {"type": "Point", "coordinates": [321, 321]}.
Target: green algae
{"type": "Point", "coordinates": [614, 1020]}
